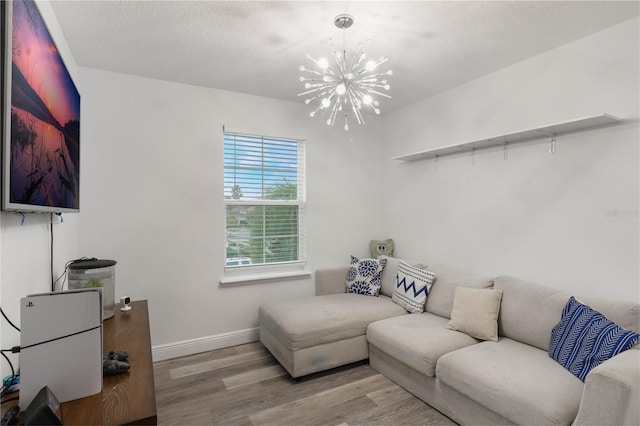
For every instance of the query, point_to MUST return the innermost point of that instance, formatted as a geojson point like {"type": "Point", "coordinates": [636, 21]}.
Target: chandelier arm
{"type": "Point", "coordinates": [313, 72]}
{"type": "Point", "coordinates": [332, 95]}
{"type": "Point", "coordinates": [319, 86]}
{"type": "Point", "coordinates": [312, 59]}
{"type": "Point", "coordinates": [354, 107]}
{"type": "Point", "coordinates": [336, 56]}
{"type": "Point", "coordinates": [370, 85]}
{"type": "Point", "coordinates": [382, 86]}
{"type": "Point", "coordinates": [357, 60]}
{"type": "Point", "coordinates": [331, 73]}
{"type": "Point", "coordinates": [313, 98]}
{"type": "Point", "coordinates": [380, 93]}
{"type": "Point", "coordinates": [377, 75]}
{"type": "Point", "coordinates": [308, 92]}
{"type": "Point", "coordinates": [358, 92]}
{"type": "Point", "coordinates": [314, 90]}
{"type": "Point", "coordinates": [313, 113]}
{"type": "Point", "coordinates": [313, 80]}
{"type": "Point", "coordinates": [381, 61]}
{"type": "Point", "coordinates": [343, 64]}
{"type": "Point", "coordinates": [332, 117]}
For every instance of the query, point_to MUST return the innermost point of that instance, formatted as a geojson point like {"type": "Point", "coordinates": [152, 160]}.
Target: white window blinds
{"type": "Point", "coordinates": [264, 193]}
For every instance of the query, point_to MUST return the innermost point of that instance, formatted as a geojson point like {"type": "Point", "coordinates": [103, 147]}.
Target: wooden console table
{"type": "Point", "coordinates": [127, 398]}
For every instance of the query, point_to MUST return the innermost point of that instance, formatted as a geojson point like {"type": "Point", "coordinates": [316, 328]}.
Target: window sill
{"type": "Point", "coordinates": [262, 277]}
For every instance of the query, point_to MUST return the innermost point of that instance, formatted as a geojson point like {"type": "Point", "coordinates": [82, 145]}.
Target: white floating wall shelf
{"type": "Point", "coordinates": [550, 131]}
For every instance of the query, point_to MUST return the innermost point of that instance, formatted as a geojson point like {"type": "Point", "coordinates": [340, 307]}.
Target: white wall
{"type": "Point", "coordinates": [152, 198]}
{"type": "Point", "coordinates": [151, 188]}
{"type": "Point", "coordinates": [25, 246]}
{"type": "Point", "coordinates": [568, 220]}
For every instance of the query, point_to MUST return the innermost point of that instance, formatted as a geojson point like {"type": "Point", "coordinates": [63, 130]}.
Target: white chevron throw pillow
{"type": "Point", "coordinates": [412, 287]}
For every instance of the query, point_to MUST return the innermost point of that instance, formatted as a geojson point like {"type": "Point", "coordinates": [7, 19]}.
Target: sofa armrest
{"type": "Point", "coordinates": [611, 392]}
{"type": "Point", "coordinates": [331, 280]}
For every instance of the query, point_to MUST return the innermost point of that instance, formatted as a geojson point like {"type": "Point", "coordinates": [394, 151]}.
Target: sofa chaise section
{"type": "Point", "coordinates": [316, 333]}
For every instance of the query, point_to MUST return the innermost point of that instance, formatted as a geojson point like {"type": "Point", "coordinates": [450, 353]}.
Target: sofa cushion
{"type": "Point", "coordinates": [309, 321]}
{"type": "Point", "coordinates": [529, 311]}
{"type": "Point", "coordinates": [412, 287]}
{"type": "Point", "coordinates": [391, 271]}
{"type": "Point", "coordinates": [625, 314]}
{"type": "Point", "coordinates": [365, 276]}
{"type": "Point", "coordinates": [417, 340]}
{"type": "Point", "coordinates": [440, 300]}
{"type": "Point", "coordinates": [517, 381]}
{"type": "Point", "coordinates": [475, 312]}
{"type": "Point", "coordinates": [584, 338]}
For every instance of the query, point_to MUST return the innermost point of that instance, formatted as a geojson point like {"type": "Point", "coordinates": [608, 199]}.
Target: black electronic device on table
{"type": "Point", "coordinates": [44, 409]}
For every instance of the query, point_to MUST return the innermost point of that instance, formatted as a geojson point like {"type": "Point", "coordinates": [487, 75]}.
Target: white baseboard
{"type": "Point", "coordinates": [204, 344]}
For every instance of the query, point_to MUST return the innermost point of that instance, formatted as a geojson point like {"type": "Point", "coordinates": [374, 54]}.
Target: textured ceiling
{"type": "Point", "coordinates": [256, 47]}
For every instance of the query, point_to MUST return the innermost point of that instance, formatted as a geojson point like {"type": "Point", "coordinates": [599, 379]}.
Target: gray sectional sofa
{"type": "Point", "coordinates": [509, 381]}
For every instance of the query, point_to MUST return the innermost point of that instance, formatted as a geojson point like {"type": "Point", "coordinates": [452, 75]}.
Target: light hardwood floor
{"type": "Point", "coordinates": [245, 385]}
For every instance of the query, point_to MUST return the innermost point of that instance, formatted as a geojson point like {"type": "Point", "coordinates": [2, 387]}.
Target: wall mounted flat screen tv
{"type": "Point", "coordinates": [40, 117]}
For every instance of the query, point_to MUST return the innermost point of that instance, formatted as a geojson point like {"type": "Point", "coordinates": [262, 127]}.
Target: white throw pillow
{"type": "Point", "coordinates": [412, 287]}
{"type": "Point", "coordinates": [390, 273]}
{"type": "Point", "coordinates": [475, 312]}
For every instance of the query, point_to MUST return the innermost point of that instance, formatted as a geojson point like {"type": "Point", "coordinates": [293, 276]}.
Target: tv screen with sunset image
{"type": "Point", "coordinates": [41, 117]}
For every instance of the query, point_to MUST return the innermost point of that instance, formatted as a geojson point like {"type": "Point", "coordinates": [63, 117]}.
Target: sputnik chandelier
{"type": "Point", "coordinates": [348, 86]}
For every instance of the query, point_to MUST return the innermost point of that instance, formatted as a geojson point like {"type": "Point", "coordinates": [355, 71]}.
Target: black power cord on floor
{"type": "Point", "coordinates": [6, 384]}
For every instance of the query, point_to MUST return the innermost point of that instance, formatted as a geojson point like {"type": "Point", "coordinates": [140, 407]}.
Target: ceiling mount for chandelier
{"type": "Point", "coordinates": [348, 86]}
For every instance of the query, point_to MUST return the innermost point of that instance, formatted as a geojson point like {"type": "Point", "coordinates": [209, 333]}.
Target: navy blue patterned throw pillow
{"type": "Point", "coordinates": [584, 339]}
{"type": "Point", "coordinates": [365, 276]}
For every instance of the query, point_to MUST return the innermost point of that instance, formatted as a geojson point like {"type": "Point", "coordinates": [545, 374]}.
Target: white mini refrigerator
{"type": "Point", "coordinates": [61, 344]}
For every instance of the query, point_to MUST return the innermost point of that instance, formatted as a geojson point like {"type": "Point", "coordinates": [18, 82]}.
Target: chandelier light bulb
{"type": "Point", "coordinates": [345, 85]}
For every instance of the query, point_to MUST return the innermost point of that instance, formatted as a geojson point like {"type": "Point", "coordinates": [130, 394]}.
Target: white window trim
{"type": "Point", "coordinates": [248, 274]}
{"type": "Point", "coordinates": [231, 280]}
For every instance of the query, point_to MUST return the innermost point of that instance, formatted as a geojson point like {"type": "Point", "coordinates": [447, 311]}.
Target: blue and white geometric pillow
{"type": "Point", "coordinates": [412, 287]}
{"type": "Point", "coordinates": [365, 276]}
{"type": "Point", "coordinates": [584, 339]}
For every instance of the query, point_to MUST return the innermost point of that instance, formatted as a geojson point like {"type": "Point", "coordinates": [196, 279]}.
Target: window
{"type": "Point", "coordinates": [264, 200]}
